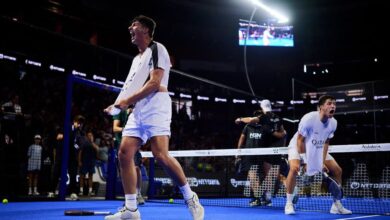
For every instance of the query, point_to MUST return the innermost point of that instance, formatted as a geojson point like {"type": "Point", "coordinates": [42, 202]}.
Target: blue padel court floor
{"type": "Point", "coordinates": [159, 211]}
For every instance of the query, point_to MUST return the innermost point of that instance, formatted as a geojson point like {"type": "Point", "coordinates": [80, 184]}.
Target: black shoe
{"type": "Point", "coordinates": [266, 202]}
{"type": "Point", "coordinates": [254, 202]}
{"type": "Point", "coordinates": [266, 199]}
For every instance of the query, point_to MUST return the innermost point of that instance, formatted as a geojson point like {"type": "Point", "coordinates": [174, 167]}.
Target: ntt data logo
{"type": "Point", "coordinates": [357, 185]}
{"type": "Point", "coordinates": [195, 182]}
{"type": "Point", "coordinates": [236, 183]}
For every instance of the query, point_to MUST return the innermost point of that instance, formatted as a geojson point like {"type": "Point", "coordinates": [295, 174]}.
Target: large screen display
{"type": "Point", "coordinates": [268, 33]}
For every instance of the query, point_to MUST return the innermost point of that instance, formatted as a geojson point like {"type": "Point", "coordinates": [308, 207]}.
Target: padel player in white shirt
{"type": "Point", "coordinates": [311, 143]}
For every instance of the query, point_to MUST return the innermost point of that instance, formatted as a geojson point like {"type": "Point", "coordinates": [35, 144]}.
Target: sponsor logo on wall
{"type": "Point", "coordinates": [358, 185]}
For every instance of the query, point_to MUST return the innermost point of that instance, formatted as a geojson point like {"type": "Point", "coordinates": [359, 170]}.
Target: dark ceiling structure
{"type": "Point", "coordinates": [342, 36]}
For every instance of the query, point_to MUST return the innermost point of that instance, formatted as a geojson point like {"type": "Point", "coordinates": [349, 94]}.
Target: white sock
{"type": "Point", "coordinates": [289, 197]}
{"type": "Point", "coordinates": [186, 191]}
{"type": "Point", "coordinates": [35, 189]}
{"type": "Point", "coordinates": [81, 189]}
{"type": "Point", "coordinates": [90, 190]}
{"type": "Point", "coordinates": [131, 201]}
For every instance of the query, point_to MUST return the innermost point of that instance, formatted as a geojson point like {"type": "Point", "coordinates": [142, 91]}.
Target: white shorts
{"type": "Point", "coordinates": [294, 155]}
{"type": "Point", "coordinates": [150, 117]}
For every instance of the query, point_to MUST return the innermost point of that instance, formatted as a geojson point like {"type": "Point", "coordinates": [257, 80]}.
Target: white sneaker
{"type": "Point", "coordinates": [74, 197]}
{"type": "Point", "coordinates": [196, 209]}
{"type": "Point", "coordinates": [124, 213]}
{"type": "Point", "coordinates": [36, 193]}
{"type": "Point", "coordinates": [289, 209]}
{"type": "Point", "coordinates": [338, 208]}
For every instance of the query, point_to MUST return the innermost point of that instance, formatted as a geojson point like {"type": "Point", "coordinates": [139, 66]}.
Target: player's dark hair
{"type": "Point", "coordinates": [147, 22]}
{"type": "Point", "coordinates": [323, 99]}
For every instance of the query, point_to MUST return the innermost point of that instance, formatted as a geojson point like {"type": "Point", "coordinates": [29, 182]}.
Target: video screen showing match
{"type": "Point", "coordinates": [266, 33]}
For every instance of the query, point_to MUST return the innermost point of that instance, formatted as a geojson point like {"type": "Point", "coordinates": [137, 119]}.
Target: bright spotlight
{"type": "Point", "coordinates": [282, 18]}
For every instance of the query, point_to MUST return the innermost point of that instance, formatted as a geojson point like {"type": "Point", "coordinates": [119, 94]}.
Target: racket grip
{"type": "Point", "coordinates": [114, 110]}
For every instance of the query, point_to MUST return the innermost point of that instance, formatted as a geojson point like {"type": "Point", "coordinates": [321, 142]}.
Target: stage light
{"type": "Point", "coordinates": [77, 73]}
{"type": "Point", "coordinates": [220, 99]}
{"type": "Point", "coordinates": [182, 95]}
{"type": "Point", "coordinates": [203, 98]}
{"type": "Point", "coordinates": [33, 63]}
{"type": "Point", "coordinates": [238, 101]}
{"type": "Point", "coordinates": [56, 68]}
{"type": "Point", "coordinates": [101, 78]}
{"type": "Point", "coordinates": [281, 18]}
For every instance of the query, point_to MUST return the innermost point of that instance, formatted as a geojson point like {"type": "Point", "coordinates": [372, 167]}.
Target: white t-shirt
{"type": "Point", "coordinates": [316, 133]}
{"type": "Point", "coordinates": [157, 57]}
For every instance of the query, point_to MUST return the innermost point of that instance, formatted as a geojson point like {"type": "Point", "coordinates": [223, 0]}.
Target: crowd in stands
{"type": "Point", "coordinates": [33, 104]}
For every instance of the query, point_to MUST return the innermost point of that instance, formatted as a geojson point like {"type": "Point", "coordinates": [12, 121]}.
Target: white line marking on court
{"type": "Point", "coordinates": [367, 216]}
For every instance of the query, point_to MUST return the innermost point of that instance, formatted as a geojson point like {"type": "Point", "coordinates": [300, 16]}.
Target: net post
{"type": "Point", "coordinates": [67, 126]}
{"type": "Point", "coordinates": [111, 174]}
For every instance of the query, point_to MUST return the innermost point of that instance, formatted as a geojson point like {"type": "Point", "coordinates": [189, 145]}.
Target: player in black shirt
{"type": "Point", "coordinates": [268, 129]}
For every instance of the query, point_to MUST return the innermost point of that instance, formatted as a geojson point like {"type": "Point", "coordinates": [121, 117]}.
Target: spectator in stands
{"type": "Point", "coordinates": [11, 117]}
{"type": "Point", "coordinates": [34, 155]}
{"type": "Point", "coordinates": [87, 160]}
{"type": "Point", "coordinates": [77, 139]}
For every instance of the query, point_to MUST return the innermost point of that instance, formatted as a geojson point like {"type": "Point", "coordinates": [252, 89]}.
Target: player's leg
{"type": "Point", "coordinates": [294, 164]}
{"type": "Point", "coordinates": [291, 177]}
{"type": "Point", "coordinates": [266, 196]}
{"type": "Point", "coordinates": [254, 184]}
{"type": "Point", "coordinates": [159, 146]}
{"type": "Point", "coordinates": [336, 171]}
{"type": "Point", "coordinates": [127, 150]}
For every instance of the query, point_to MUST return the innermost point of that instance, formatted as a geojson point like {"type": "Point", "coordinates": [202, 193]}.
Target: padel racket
{"type": "Point", "coordinates": [333, 187]}
{"type": "Point", "coordinates": [85, 212]}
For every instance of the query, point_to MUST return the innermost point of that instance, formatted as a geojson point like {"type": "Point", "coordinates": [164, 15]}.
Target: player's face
{"type": "Point", "coordinates": [137, 32]}
{"type": "Point", "coordinates": [329, 108]}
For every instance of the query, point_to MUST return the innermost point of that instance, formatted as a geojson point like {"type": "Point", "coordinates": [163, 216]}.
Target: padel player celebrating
{"type": "Point", "coordinates": [311, 143]}
{"type": "Point", "coordinates": [150, 119]}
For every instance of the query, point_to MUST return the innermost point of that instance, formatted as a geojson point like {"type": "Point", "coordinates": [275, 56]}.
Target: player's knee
{"type": "Point", "coordinates": [161, 157]}
{"type": "Point", "coordinates": [124, 156]}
